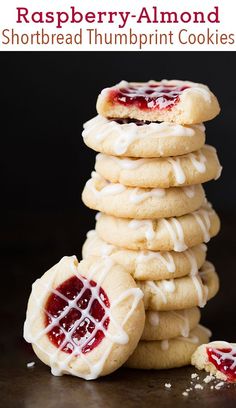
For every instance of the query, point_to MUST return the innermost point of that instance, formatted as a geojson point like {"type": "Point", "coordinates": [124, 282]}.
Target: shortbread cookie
{"type": "Point", "coordinates": [189, 169]}
{"type": "Point", "coordinates": [167, 325]}
{"type": "Point", "coordinates": [128, 202]}
{"type": "Point", "coordinates": [171, 353]}
{"type": "Point", "coordinates": [165, 234]}
{"type": "Point", "coordinates": [181, 293]}
{"type": "Point", "coordinates": [131, 138]}
{"type": "Point", "coordinates": [84, 319]}
{"type": "Point", "coordinates": [218, 358]}
{"type": "Point", "coordinates": [181, 102]}
{"type": "Point", "coordinates": [148, 265]}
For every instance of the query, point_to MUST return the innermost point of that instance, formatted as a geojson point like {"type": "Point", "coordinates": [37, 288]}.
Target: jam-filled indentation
{"type": "Point", "coordinates": [224, 360]}
{"type": "Point", "coordinates": [77, 315]}
{"type": "Point", "coordinates": [148, 96]}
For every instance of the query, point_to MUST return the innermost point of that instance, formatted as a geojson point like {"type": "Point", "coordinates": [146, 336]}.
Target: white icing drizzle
{"type": "Point", "coordinates": [154, 286]}
{"type": "Point", "coordinates": [61, 365]}
{"type": "Point", "coordinates": [161, 287]}
{"type": "Point", "coordinates": [147, 224]}
{"type": "Point", "coordinates": [177, 169]}
{"type": "Point", "coordinates": [105, 249]}
{"type": "Point", "coordinates": [127, 133]}
{"type": "Point", "coordinates": [198, 161]}
{"type": "Point", "coordinates": [189, 191]}
{"type": "Point", "coordinates": [164, 345]}
{"type": "Point", "coordinates": [107, 189]}
{"type": "Point", "coordinates": [190, 339]}
{"type": "Point", "coordinates": [165, 257]}
{"type": "Point", "coordinates": [97, 216]}
{"type": "Point", "coordinates": [125, 163]}
{"type": "Point", "coordinates": [201, 290]}
{"type": "Point", "coordinates": [176, 233]}
{"type": "Point", "coordinates": [192, 260]}
{"type": "Point", "coordinates": [138, 195]}
{"type": "Point", "coordinates": [153, 318]}
{"type": "Point", "coordinates": [168, 285]}
{"type": "Point", "coordinates": [203, 220]}
{"type": "Point", "coordinates": [182, 315]}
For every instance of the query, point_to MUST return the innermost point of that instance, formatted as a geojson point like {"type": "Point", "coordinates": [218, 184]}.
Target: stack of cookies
{"type": "Point", "coordinates": [154, 219]}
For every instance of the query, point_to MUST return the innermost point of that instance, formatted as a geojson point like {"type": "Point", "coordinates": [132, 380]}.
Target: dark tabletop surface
{"type": "Point", "coordinates": [34, 243]}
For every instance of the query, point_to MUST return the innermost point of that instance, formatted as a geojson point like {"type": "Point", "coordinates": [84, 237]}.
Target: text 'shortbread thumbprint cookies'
{"type": "Point", "coordinates": [175, 101]}
{"type": "Point", "coordinates": [218, 358]}
{"type": "Point", "coordinates": [85, 318]}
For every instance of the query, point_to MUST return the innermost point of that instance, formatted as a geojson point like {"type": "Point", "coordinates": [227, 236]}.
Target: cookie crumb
{"type": "Point", "coordinates": [198, 387]}
{"type": "Point", "coordinates": [194, 375]}
{"type": "Point", "coordinates": [212, 387]}
{"type": "Point", "coordinates": [208, 379]}
{"type": "Point", "coordinates": [167, 385]}
{"type": "Point", "coordinates": [219, 385]}
{"type": "Point", "coordinates": [31, 364]}
{"type": "Point", "coordinates": [185, 393]}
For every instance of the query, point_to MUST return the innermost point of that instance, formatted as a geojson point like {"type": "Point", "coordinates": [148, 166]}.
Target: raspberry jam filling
{"type": "Point", "coordinates": [76, 310]}
{"type": "Point", "coordinates": [148, 96]}
{"type": "Point", "coordinates": [224, 360]}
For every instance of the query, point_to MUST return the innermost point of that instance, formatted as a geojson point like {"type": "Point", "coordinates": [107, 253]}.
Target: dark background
{"type": "Point", "coordinates": [46, 98]}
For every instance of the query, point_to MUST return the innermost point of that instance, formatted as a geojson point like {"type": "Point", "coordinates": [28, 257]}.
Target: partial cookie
{"type": "Point", "coordinates": [84, 319]}
{"type": "Point", "coordinates": [171, 353]}
{"type": "Point", "coordinates": [218, 358]}
{"type": "Point", "coordinates": [148, 265]}
{"type": "Point", "coordinates": [167, 325]}
{"type": "Point", "coordinates": [176, 101]}
{"type": "Point", "coordinates": [181, 293]}
{"type": "Point", "coordinates": [121, 201]}
{"type": "Point", "coordinates": [165, 234]}
{"type": "Point", "coordinates": [126, 137]}
{"type": "Point", "coordinates": [192, 168]}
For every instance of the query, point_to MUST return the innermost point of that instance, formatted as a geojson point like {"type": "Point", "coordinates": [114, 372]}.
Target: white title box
{"type": "Point", "coordinates": [161, 25]}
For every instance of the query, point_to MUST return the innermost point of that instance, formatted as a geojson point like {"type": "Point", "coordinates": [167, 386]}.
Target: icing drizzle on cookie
{"type": "Point", "coordinates": [101, 187]}
{"type": "Point", "coordinates": [60, 361]}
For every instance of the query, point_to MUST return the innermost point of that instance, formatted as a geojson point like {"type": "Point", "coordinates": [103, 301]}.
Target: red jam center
{"type": "Point", "coordinates": [224, 360]}
{"type": "Point", "coordinates": [148, 96]}
{"type": "Point", "coordinates": [77, 307]}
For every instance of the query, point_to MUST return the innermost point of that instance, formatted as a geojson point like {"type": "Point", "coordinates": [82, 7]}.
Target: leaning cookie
{"type": "Point", "coordinates": [148, 265]}
{"type": "Point", "coordinates": [192, 168]}
{"type": "Point", "coordinates": [167, 325]}
{"type": "Point", "coordinates": [175, 101]}
{"type": "Point", "coordinates": [165, 234]}
{"type": "Point", "coordinates": [127, 202]}
{"type": "Point", "coordinates": [181, 293]}
{"type": "Point", "coordinates": [218, 358]}
{"type": "Point", "coordinates": [170, 353]}
{"type": "Point", "coordinates": [130, 138]}
{"type": "Point", "coordinates": [84, 319]}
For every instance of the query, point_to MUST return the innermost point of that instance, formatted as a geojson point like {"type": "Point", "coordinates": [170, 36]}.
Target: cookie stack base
{"type": "Point", "coordinates": [166, 354]}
